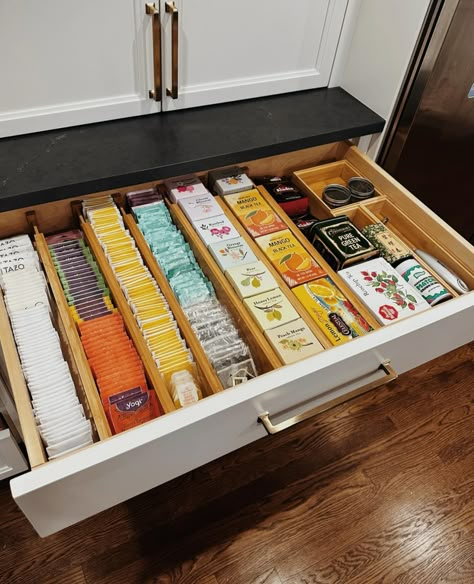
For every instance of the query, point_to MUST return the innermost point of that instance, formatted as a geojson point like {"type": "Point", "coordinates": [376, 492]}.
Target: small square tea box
{"type": "Point", "coordinates": [290, 258]}
{"type": "Point", "coordinates": [383, 291]}
{"type": "Point", "coordinates": [294, 341]}
{"type": "Point", "coordinates": [251, 279]}
{"type": "Point", "coordinates": [184, 186]}
{"type": "Point", "coordinates": [271, 309]}
{"type": "Point", "coordinates": [214, 175]}
{"type": "Point", "coordinates": [254, 213]}
{"type": "Point", "coordinates": [234, 183]}
{"type": "Point", "coordinates": [200, 207]}
{"type": "Point", "coordinates": [232, 252]}
{"type": "Point", "coordinates": [217, 228]}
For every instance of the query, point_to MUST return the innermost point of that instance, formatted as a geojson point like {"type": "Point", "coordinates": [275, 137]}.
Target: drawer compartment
{"type": "Point", "coordinates": [62, 492]}
{"type": "Point", "coordinates": [313, 181]}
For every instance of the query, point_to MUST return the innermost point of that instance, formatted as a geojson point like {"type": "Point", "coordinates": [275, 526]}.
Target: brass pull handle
{"type": "Point", "coordinates": [153, 11]}
{"type": "Point", "coordinates": [390, 375]}
{"type": "Point", "coordinates": [172, 8]}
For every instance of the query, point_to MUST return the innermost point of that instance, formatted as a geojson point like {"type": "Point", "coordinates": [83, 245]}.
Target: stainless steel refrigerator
{"type": "Point", "coordinates": [429, 146]}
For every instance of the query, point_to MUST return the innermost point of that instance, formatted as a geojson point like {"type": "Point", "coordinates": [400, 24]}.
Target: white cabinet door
{"type": "Point", "coordinates": [67, 63]}
{"type": "Point", "coordinates": [229, 50]}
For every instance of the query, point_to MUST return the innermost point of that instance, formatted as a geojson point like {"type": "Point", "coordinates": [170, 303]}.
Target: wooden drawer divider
{"type": "Point", "coordinates": [207, 372]}
{"type": "Point", "coordinates": [154, 376]}
{"type": "Point", "coordinates": [263, 354]}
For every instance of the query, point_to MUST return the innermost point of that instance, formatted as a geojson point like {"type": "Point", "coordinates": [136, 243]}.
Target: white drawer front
{"type": "Point", "coordinates": [63, 492]}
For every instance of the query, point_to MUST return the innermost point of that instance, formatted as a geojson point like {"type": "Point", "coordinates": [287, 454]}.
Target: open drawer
{"type": "Point", "coordinates": [59, 493]}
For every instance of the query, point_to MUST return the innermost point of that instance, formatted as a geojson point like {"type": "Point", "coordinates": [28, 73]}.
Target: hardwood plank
{"type": "Point", "coordinates": [207, 580]}
{"type": "Point", "coordinates": [270, 577]}
{"type": "Point", "coordinates": [381, 555]}
{"type": "Point", "coordinates": [460, 574]}
{"type": "Point", "coordinates": [45, 575]}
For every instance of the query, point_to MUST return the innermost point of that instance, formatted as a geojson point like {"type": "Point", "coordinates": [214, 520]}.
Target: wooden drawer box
{"type": "Point", "coordinates": [56, 494]}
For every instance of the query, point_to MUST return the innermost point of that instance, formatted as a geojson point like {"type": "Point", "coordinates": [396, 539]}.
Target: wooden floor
{"type": "Point", "coordinates": [380, 490]}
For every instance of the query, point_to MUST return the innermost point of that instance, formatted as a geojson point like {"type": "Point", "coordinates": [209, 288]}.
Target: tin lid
{"type": "Point", "coordinates": [360, 188]}
{"type": "Point", "coordinates": [335, 195]}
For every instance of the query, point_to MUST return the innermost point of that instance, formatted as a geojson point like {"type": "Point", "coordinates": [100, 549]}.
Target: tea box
{"type": "Point", "coordinates": [294, 341]}
{"type": "Point", "coordinates": [184, 186]}
{"type": "Point", "coordinates": [340, 242]}
{"type": "Point", "coordinates": [383, 291]}
{"type": "Point", "coordinates": [331, 310]}
{"type": "Point", "coordinates": [391, 248]}
{"type": "Point", "coordinates": [200, 207]}
{"type": "Point", "coordinates": [231, 253]}
{"type": "Point", "coordinates": [271, 309]}
{"type": "Point", "coordinates": [217, 228]}
{"type": "Point", "coordinates": [251, 279]}
{"type": "Point", "coordinates": [284, 192]}
{"type": "Point", "coordinates": [254, 213]}
{"type": "Point", "coordinates": [290, 258]}
{"type": "Point", "coordinates": [234, 183]}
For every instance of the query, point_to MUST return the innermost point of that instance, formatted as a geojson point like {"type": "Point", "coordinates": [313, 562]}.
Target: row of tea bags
{"type": "Point", "coordinates": [213, 325]}
{"type": "Point", "coordinates": [58, 413]}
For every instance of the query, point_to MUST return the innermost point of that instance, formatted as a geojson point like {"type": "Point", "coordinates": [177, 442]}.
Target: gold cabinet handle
{"type": "Point", "coordinates": [152, 10]}
{"type": "Point", "coordinates": [390, 375]}
{"type": "Point", "coordinates": [173, 10]}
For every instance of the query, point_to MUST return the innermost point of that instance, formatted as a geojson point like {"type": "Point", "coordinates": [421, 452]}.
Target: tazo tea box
{"type": "Point", "coordinates": [231, 253]}
{"type": "Point", "coordinates": [290, 258]}
{"type": "Point", "coordinates": [200, 207]}
{"type": "Point", "coordinates": [340, 242]}
{"type": "Point", "coordinates": [383, 291]}
{"type": "Point", "coordinates": [215, 229]}
{"type": "Point", "coordinates": [331, 311]}
{"type": "Point", "coordinates": [251, 279]}
{"type": "Point", "coordinates": [271, 309]}
{"type": "Point", "coordinates": [294, 341]}
{"type": "Point", "coordinates": [254, 213]}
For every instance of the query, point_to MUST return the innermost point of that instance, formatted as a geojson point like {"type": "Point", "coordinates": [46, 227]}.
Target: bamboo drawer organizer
{"type": "Point", "coordinates": [312, 182]}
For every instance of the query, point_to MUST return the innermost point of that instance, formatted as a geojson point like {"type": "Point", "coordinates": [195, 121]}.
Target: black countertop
{"type": "Point", "coordinates": [71, 162]}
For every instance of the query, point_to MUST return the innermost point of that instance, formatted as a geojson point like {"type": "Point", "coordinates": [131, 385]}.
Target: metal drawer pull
{"type": "Point", "coordinates": [152, 10]}
{"type": "Point", "coordinates": [390, 375]}
{"type": "Point", "coordinates": [171, 8]}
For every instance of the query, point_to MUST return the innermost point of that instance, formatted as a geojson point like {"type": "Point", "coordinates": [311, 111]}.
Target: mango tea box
{"type": "Point", "coordinates": [290, 258]}
{"type": "Point", "coordinates": [254, 213]}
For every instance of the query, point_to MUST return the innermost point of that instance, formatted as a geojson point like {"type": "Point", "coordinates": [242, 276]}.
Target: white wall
{"type": "Point", "coordinates": [376, 45]}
